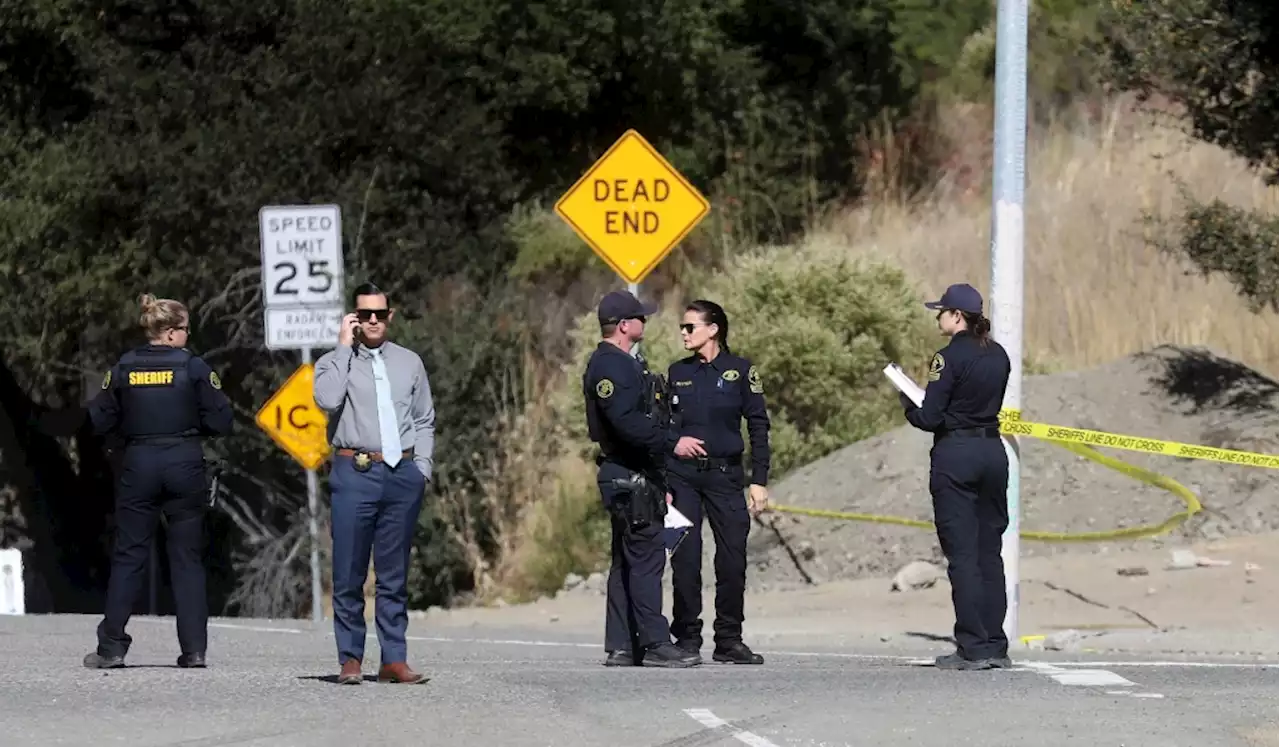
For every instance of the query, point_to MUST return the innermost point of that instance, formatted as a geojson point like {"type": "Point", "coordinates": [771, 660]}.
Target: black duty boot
{"type": "Point", "coordinates": [667, 654]}
{"type": "Point", "coordinates": [958, 662]}
{"type": "Point", "coordinates": [620, 658]}
{"type": "Point", "coordinates": [736, 653]}
{"type": "Point", "coordinates": [191, 661]}
{"type": "Point", "coordinates": [689, 644]}
{"type": "Point", "coordinates": [96, 660]}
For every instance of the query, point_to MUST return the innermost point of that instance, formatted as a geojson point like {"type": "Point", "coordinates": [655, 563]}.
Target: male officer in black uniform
{"type": "Point", "coordinates": [625, 418]}
{"type": "Point", "coordinates": [159, 400]}
{"type": "Point", "coordinates": [968, 474]}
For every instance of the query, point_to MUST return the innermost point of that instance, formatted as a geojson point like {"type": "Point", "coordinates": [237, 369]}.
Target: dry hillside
{"type": "Point", "coordinates": [1179, 394]}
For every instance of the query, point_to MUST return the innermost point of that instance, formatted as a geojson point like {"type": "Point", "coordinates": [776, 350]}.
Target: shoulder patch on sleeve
{"type": "Point", "coordinates": [935, 366]}
{"type": "Point", "coordinates": [753, 379]}
{"type": "Point", "coordinates": [604, 389]}
{"type": "Point", "coordinates": [106, 380]}
{"type": "Point", "coordinates": [214, 381]}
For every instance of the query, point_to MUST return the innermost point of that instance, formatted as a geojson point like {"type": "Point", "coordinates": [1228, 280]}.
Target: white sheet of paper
{"type": "Point", "coordinates": [904, 383]}
{"type": "Point", "coordinates": [675, 519]}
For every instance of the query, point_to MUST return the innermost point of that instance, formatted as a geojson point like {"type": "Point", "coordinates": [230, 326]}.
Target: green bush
{"type": "Point", "coordinates": [820, 333]}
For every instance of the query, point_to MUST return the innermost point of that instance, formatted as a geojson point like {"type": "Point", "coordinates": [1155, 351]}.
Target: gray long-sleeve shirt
{"type": "Point", "coordinates": [345, 390]}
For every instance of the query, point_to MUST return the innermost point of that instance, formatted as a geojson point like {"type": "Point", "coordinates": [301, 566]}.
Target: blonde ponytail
{"type": "Point", "coordinates": [160, 314]}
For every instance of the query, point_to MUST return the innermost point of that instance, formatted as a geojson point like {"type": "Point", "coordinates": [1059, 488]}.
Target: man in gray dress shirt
{"type": "Point", "coordinates": [382, 430]}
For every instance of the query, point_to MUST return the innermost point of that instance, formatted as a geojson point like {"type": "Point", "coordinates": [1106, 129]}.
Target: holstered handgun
{"type": "Point", "coordinates": [640, 502]}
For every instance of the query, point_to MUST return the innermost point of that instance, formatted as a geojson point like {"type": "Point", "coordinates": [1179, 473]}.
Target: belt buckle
{"type": "Point", "coordinates": [362, 461]}
{"type": "Point", "coordinates": [704, 463]}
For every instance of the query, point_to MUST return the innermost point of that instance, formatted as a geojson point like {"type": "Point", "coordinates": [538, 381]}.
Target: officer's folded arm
{"type": "Point", "coordinates": [937, 395]}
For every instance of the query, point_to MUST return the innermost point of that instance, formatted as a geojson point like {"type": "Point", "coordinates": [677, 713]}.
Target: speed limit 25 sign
{"type": "Point", "coordinates": [301, 274]}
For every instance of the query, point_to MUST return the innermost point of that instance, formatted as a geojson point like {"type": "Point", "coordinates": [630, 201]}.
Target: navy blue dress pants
{"type": "Point", "coordinates": [373, 512]}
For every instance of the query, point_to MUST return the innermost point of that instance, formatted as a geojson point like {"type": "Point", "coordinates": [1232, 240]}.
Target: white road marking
{"type": "Point", "coordinates": [815, 654]}
{"type": "Point", "coordinates": [712, 721]}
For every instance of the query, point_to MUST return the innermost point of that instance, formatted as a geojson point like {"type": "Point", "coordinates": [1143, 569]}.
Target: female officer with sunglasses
{"type": "Point", "coordinates": [712, 390]}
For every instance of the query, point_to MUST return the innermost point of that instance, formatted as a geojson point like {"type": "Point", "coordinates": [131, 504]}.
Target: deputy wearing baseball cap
{"type": "Point", "coordinates": [634, 441]}
{"type": "Point", "coordinates": [968, 474]}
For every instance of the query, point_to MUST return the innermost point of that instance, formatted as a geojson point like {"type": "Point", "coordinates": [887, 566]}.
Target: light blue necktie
{"type": "Point", "coordinates": [387, 421]}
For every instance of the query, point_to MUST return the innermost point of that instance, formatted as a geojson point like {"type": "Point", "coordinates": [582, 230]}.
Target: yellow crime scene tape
{"type": "Point", "coordinates": [1081, 442]}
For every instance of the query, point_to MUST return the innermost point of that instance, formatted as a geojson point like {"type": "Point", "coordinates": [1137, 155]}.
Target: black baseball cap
{"type": "Point", "coordinates": [961, 297]}
{"type": "Point", "coordinates": [619, 305]}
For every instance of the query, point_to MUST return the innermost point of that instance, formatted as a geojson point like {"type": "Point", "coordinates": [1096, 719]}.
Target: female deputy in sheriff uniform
{"type": "Point", "coordinates": [712, 390]}
{"type": "Point", "coordinates": [968, 474]}
{"type": "Point", "coordinates": [159, 400]}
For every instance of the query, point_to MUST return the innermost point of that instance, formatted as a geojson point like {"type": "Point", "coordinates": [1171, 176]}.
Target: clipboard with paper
{"type": "Point", "coordinates": [674, 529]}
{"type": "Point", "coordinates": [905, 383]}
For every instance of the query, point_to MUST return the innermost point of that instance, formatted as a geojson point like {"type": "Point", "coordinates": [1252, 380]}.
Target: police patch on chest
{"type": "Point", "coordinates": [731, 375]}
{"type": "Point", "coordinates": [935, 367]}
{"type": "Point", "coordinates": [151, 378]}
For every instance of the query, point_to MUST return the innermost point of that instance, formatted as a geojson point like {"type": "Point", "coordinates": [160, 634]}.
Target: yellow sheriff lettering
{"type": "Point", "coordinates": [150, 378]}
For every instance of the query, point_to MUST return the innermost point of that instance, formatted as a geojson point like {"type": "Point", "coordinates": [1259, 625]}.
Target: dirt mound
{"type": "Point", "coordinates": [1179, 394]}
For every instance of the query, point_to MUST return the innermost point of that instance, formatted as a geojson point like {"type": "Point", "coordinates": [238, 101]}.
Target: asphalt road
{"type": "Point", "coordinates": [269, 683]}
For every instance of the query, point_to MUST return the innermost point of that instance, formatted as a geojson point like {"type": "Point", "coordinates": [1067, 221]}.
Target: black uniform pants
{"type": "Point", "coordinates": [717, 492]}
{"type": "Point", "coordinates": [633, 602]}
{"type": "Point", "coordinates": [157, 478]}
{"type": "Point", "coordinates": [967, 479]}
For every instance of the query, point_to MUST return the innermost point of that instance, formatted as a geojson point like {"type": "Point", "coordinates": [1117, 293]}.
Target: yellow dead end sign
{"type": "Point", "coordinates": [632, 207]}
{"type": "Point", "coordinates": [294, 421]}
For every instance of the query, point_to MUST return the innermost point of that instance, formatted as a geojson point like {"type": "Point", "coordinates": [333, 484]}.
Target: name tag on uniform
{"type": "Point", "coordinates": [151, 378]}
{"type": "Point", "coordinates": [684, 383]}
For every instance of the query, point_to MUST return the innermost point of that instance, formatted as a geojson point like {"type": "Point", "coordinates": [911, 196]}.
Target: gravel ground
{"type": "Point", "coordinates": [1188, 395]}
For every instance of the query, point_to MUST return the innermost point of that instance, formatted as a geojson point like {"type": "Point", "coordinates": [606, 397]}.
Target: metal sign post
{"type": "Point", "coordinates": [1008, 186]}
{"type": "Point", "coordinates": [302, 272]}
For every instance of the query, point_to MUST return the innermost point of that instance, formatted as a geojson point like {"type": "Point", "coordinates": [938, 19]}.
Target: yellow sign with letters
{"type": "Point", "coordinates": [294, 421]}
{"type": "Point", "coordinates": [632, 207]}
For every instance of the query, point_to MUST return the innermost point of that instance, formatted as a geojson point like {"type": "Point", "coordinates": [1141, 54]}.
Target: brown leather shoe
{"type": "Point", "coordinates": [350, 674]}
{"type": "Point", "coordinates": [400, 672]}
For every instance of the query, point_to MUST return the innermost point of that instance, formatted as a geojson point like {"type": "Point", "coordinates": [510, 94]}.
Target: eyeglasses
{"type": "Point", "coordinates": [368, 315]}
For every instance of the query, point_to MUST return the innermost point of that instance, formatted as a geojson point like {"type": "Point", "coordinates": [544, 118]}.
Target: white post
{"type": "Point", "coordinates": [314, 528]}
{"type": "Point", "coordinates": [1008, 182]}
{"type": "Point", "coordinates": [634, 288]}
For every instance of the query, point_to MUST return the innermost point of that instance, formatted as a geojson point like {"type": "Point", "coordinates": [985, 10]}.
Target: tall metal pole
{"type": "Point", "coordinates": [313, 527]}
{"type": "Point", "coordinates": [634, 289]}
{"type": "Point", "coordinates": [1008, 186]}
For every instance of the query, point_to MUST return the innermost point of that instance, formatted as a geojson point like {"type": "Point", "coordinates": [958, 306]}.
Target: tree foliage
{"type": "Point", "coordinates": [138, 140]}
{"type": "Point", "coordinates": [1216, 59]}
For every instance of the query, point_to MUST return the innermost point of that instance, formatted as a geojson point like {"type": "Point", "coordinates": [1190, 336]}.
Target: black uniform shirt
{"type": "Point", "coordinates": [966, 386]}
{"type": "Point", "coordinates": [160, 390]}
{"type": "Point", "coordinates": [710, 398]}
{"type": "Point", "coordinates": [618, 419]}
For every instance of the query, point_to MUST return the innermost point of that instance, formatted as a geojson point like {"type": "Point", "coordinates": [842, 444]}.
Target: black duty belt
{"type": "Point", "coordinates": [990, 431]}
{"type": "Point", "coordinates": [705, 463]}
{"type": "Point", "coordinates": [161, 439]}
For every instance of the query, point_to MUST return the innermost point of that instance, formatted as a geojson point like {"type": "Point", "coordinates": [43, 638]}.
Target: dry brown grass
{"type": "Point", "coordinates": [1096, 288]}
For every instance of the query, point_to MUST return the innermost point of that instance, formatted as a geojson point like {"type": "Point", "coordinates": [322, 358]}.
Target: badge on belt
{"type": "Point", "coordinates": [362, 461]}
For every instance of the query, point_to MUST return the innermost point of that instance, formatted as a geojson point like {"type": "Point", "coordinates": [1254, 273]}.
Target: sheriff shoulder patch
{"type": "Point", "coordinates": [753, 379]}
{"type": "Point", "coordinates": [214, 381]}
{"type": "Point", "coordinates": [106, 380]}
{"type": "Point", "coordinates": [604, 390]}
{"type": "Point", "coordinates": [935, 367]}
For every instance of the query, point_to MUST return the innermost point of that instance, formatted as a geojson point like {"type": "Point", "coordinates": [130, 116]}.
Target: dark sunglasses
{"type": "Point", "coordinates": [689, 328]}
{"type": "Point", "coordinates": [366, 315]}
